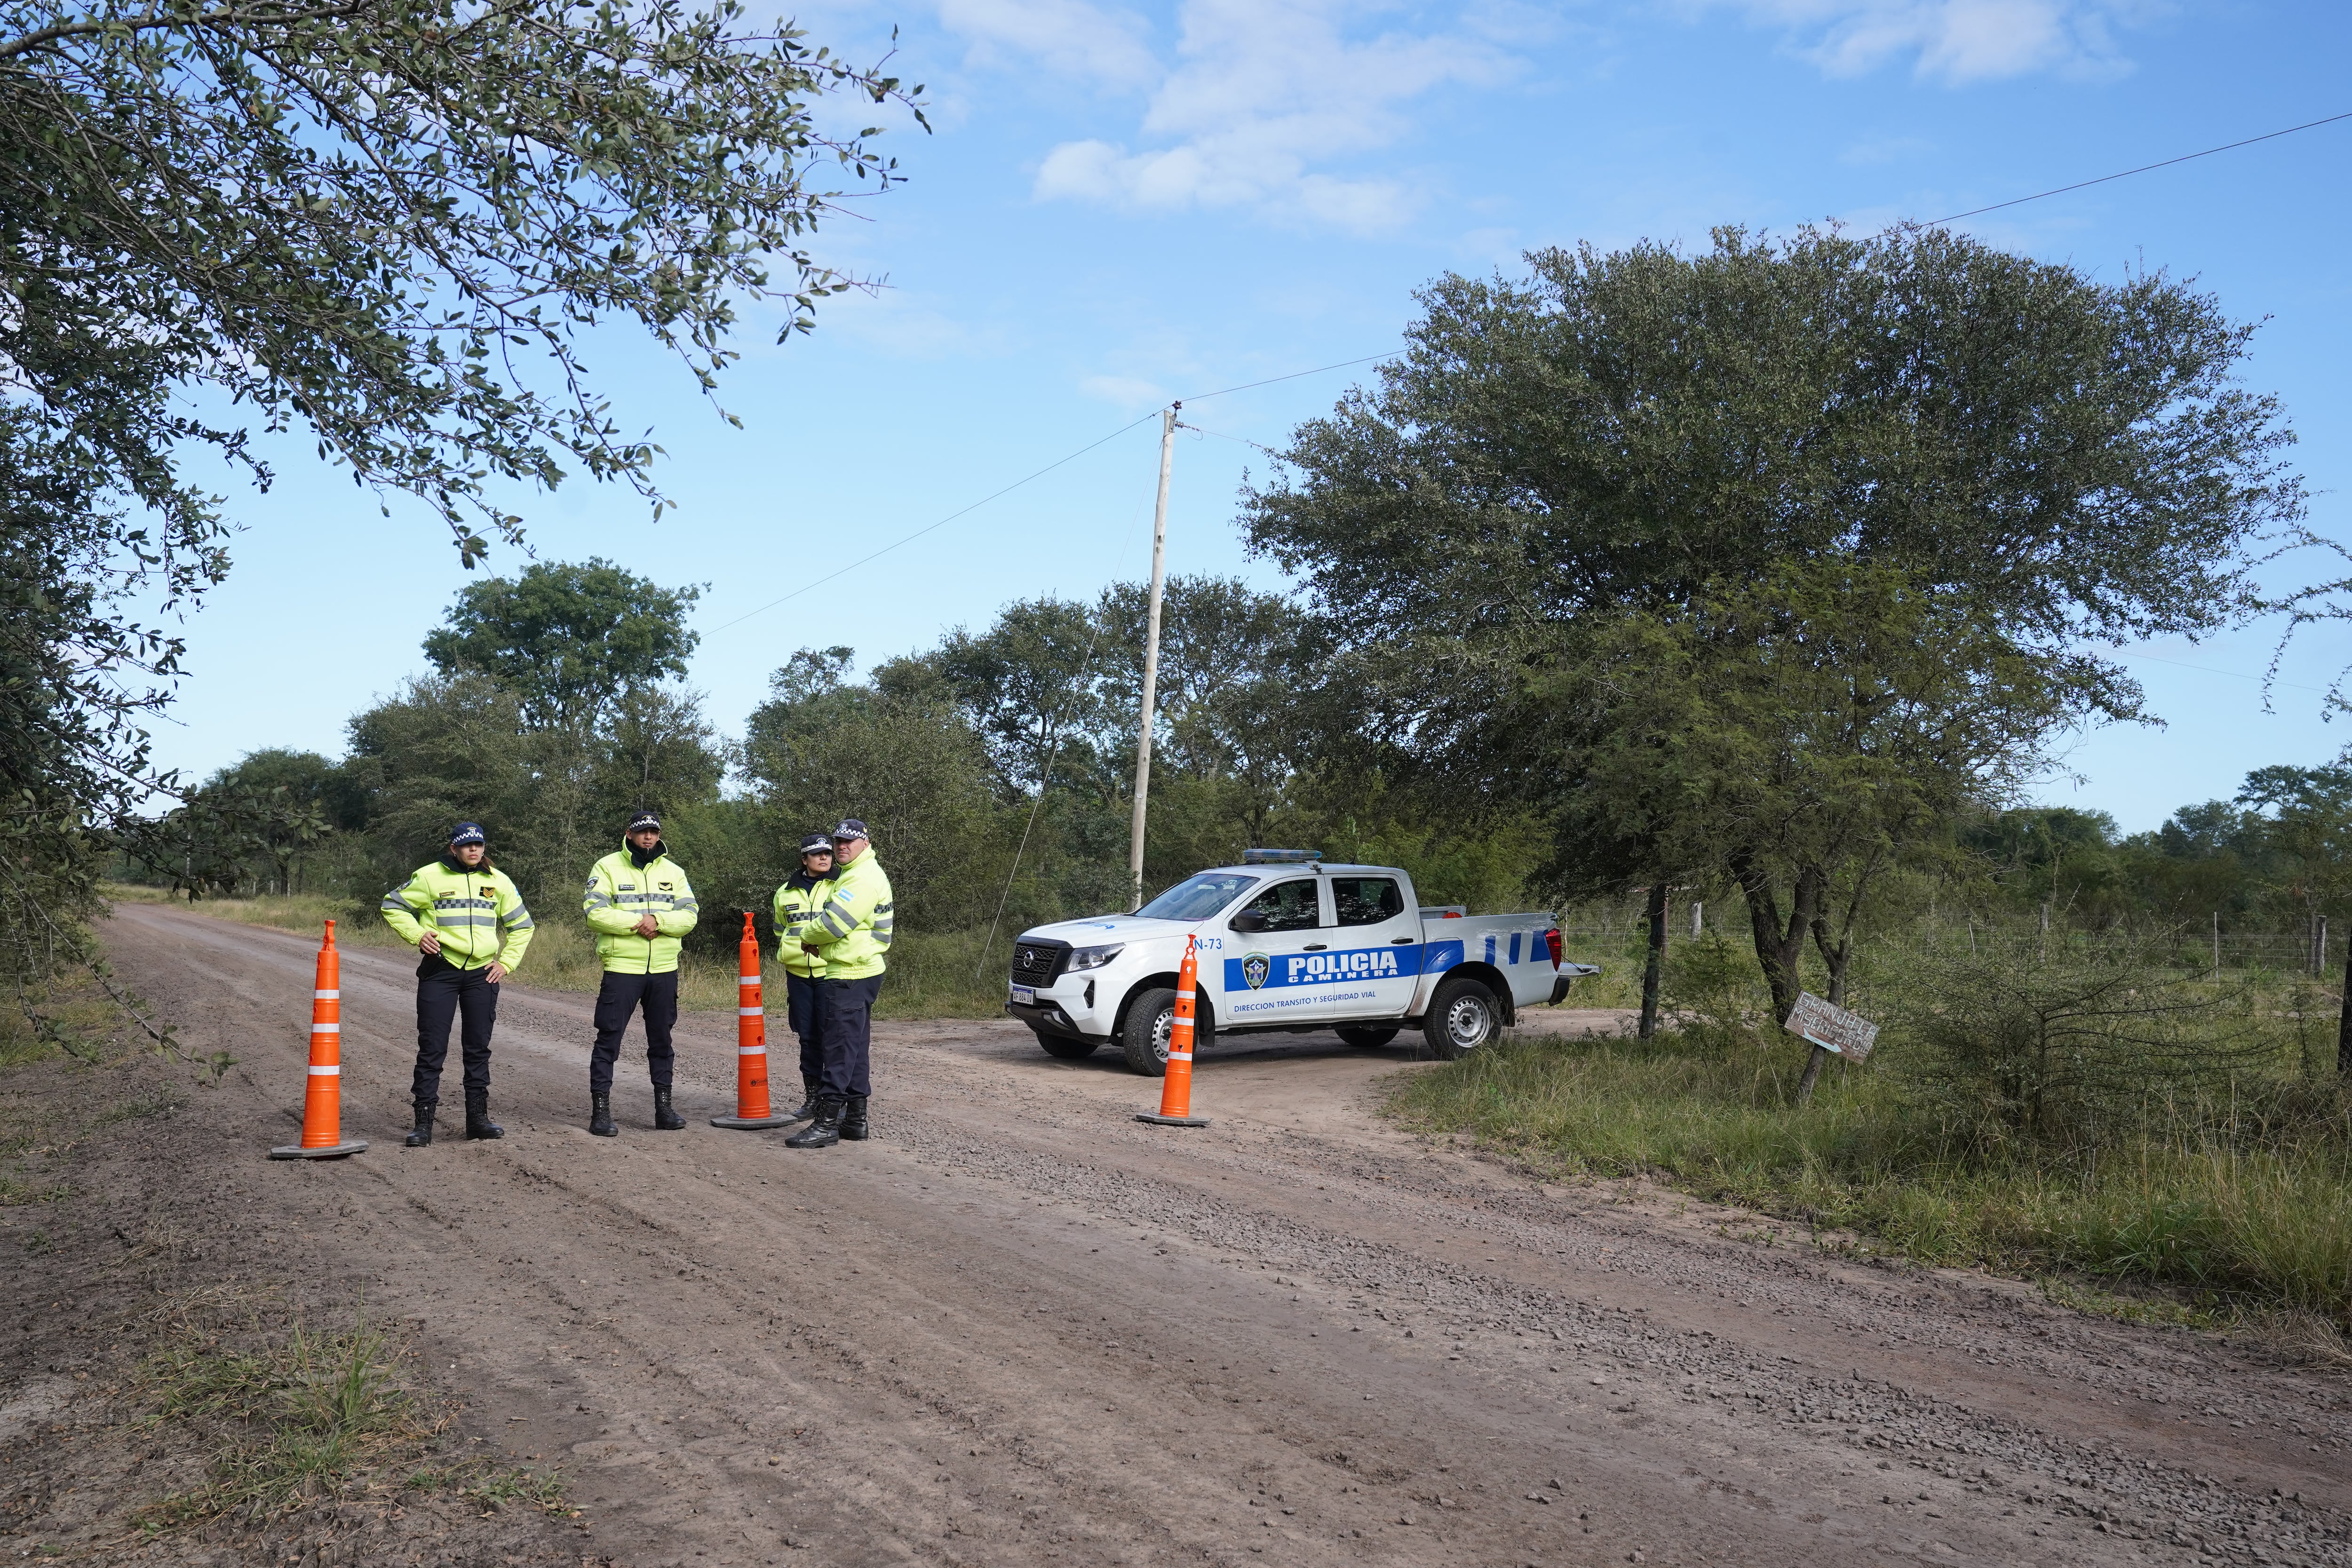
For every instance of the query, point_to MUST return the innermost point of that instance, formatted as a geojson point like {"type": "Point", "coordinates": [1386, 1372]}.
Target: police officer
{"type": "Point", "coordinates": [850, 932]}
{"type": "Point", "coordinates": [467, 920]}
{"type": "Point", "coordinates": [797, 902]}
{"type": "Point", "coordinates": [639, 905]}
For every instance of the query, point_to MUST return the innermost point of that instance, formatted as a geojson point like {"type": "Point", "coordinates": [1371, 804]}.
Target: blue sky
{"type": "Point", "coordinates": [1123, 204]}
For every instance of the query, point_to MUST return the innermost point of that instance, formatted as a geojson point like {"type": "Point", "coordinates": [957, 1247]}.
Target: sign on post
{"type": "Point", "coordinates": [1850, 1035]}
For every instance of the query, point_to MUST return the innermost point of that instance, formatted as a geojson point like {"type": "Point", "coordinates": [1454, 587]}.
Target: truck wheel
{"type": "Point", "coordinates": [1462, 1017]}
{"type": "Point", "coordinates": [1064, 1048]}
{"type": "Point", "coordinates": [1369, 1035]}
{"type": "Point", "coordinates": [1143, 1038]}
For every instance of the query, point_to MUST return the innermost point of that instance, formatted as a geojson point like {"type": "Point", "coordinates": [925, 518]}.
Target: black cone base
{"type": "Point", "coordinates": [1174, 1120]}
{"type": "Point", "coordinates": [335, 1151]}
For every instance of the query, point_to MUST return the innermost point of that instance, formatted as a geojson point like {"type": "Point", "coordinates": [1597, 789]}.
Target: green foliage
{"type": "Point", "coordinates": [569, 637]}
{"type": "Point", "coordinates": [1756, 566]}
{"type": "Point", "coordinates": [295, 1418]}
{"type": "Point", "coordinates": [2243, 1199]}
{"type": "Point", "coordinates": [388, 224]}
{"type": "Point", "coordinates": [372, 207]}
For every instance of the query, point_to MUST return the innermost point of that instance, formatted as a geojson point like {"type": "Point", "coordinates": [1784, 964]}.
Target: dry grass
{"type": "Point", "coordinates": [2241, 1214]}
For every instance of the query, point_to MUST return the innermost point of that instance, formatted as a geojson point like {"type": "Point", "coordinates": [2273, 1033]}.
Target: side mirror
{"type": "Point", "coordinates": [1247, 921]}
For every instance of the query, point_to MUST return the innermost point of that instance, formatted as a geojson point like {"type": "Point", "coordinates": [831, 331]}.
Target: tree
{"type": "Point", "coordinates": [1032, 686]}
{"type": "Point", "coordinates": [1913, 429]}
{"type": "Point", "coordinates": [1235, 665]}
{"type": "Point", "coordinates": [2310, 828]}
{"type": "Point", "coordinates": [907, 763]}
{"type": "Point", "coordinates": [569, 639]}
{"type": "Point", "coordinates": [386, 222]}
{"type": "Point", "coordinates": [351, 214]}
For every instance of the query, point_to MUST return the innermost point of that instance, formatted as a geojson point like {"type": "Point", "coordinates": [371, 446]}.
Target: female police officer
{"type": "Point", "coordinates": [467, 920]}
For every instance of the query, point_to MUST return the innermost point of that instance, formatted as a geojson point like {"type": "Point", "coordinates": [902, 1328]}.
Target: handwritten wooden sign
{"type": "Point", "coordinates": [1850, 1035]}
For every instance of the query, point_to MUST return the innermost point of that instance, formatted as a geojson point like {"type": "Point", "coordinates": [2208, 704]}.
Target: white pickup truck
{"type": "Point", "coordinates": [1285, 944]}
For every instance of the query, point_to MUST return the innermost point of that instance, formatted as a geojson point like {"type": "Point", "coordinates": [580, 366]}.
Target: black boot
{"type": "Point", "coordinates": [808, 1102]}
{"type": "Point", "coordinates": [667, 1120]}
{"type": "Point", "coordinates": [478, 1116]}
{"type": "Point", "coordinates": [422, 1133]}
{"type": "Point", "coordinates": [822, 1133]}
{"type": "Point", "coordinates": [600, 1116]}
{"type": "Point", "coordinates": [853, 1119]}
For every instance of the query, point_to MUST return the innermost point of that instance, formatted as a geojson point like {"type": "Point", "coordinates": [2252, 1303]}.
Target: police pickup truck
{"type": "Point", "coordinates": [1285, 943]}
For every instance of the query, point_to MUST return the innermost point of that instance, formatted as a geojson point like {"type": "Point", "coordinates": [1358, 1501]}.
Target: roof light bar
{"type": "Point", "coordinates": [1279, 856]}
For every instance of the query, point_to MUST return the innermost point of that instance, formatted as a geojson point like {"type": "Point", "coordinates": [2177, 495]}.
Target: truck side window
{"type": "Point", "coordinates": [1366, 900]}
{"type": "Point", "coordinates": [1286, 906]}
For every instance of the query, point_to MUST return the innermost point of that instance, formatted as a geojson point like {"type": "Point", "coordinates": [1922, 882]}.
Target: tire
{"type": "Point", "coordinates": [1143, 1033]}
{"type": "Point", "coordinates": [1369, 1035]}
{"type": "Point", "coordinates": [1462, 1017]}
{"type": "Point", "coordinates": [1061, 1047]}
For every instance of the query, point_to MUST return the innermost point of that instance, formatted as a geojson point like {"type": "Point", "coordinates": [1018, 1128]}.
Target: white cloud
{"type": "Point", "coordinates": [1069, 38]}
{"type": "Point", "coordinates": [1265, 105]}
{"type": "Point", "coordinates": [1953, 41]}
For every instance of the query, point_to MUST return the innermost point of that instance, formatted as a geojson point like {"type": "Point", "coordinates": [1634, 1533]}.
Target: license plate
{"type": "Point", "coordinates": [1025, 996]}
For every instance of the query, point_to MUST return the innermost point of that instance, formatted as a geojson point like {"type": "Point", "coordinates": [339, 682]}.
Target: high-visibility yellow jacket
{"type": "Point", "coordinates": [478, 913]}
{"type": "Point", "coordinates": [853, 924]}
{"type": "Point", "coordinates": [797, 902]}
{"type": "Point", "coordinates": [620, 893]}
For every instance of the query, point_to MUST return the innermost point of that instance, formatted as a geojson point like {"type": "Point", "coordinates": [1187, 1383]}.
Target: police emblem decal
{"type": "Point", "coordinates": [1255, 968]}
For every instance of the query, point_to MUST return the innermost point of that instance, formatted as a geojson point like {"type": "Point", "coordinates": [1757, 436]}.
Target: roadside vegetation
{"type": "Point", "coordinates": [2101, 1109]}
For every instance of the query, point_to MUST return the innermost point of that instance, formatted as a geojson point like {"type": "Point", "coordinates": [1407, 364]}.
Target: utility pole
{"type": "Point", "coordinates": [1151, 656]}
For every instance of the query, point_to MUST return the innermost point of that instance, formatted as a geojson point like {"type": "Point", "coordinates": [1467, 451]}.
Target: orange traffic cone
{"type": "Point", "coordinates": [751, 1042]}
{"type": "Point", "coordinates": [322, 1106]}
{"type": "Point", "coordinates": [1176, 1087]}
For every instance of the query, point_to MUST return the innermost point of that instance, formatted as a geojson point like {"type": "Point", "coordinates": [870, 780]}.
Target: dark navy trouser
{"type": "Point", "coordinates": [845, 1025]}
{"type": "Point", "coordinates": [444, 991]}
{"type": "Point", "coordinates": [617, 996]}
{"type": "Point", "coordinates": [800, 1011]}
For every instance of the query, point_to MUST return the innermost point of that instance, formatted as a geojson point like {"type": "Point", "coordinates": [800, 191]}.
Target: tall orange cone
{"type": "Point", "coordinates": [751, 1042]}
{"type": "Point", "coordinates": [1176, 1087]}
{"type": "Point", "coordinates": [322, 1105]}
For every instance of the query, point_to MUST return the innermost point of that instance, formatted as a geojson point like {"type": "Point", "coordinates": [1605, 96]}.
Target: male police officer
{"type": "Point", "coordinates": [639, 905]}
{"type": "Point", "coordinates": [467, 919]}
{"type": "Point", "coordinates": [797, 901]}
{"type": "Point", "coordinates": [850, 931]}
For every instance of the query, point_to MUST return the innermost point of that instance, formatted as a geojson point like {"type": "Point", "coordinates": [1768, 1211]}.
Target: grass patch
{"type": "Point", "coordinates": [299, 1415]}
{"type": "Point", "coordinates": [2237, 1207]}
{"type": "Point", "coordinates": [297, 1419]}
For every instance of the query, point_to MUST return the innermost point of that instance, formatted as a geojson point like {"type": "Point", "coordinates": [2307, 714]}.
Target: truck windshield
{"type": "Point", "coordinates": [1199, 898]}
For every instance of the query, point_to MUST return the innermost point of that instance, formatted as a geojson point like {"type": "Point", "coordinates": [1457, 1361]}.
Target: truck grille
{"type": "Point", "coordinates": [1036, 962]}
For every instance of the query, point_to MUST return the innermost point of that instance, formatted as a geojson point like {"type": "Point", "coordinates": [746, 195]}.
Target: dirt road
{"type": "Point", "coordinates": [1019, 1328]}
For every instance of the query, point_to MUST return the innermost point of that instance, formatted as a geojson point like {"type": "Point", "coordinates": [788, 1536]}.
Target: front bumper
{"type": "Point", "coordinates": [1065, 1007]}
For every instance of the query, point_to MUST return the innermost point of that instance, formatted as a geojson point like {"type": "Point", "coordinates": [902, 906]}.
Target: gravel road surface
{"type": "Point", "coordinates": [1019, 1328]}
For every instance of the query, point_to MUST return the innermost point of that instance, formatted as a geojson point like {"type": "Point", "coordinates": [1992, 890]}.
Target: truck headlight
{"type": "Point", "coordinates": [1095, 957]}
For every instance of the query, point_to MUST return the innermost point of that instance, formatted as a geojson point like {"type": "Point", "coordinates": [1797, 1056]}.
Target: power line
{"type": "Point", "coordinates": [933, 528]}
{"type": "Point", "coordinates": [1041, 473]}
{"type": "Point", "coordinates": [2144, 168]}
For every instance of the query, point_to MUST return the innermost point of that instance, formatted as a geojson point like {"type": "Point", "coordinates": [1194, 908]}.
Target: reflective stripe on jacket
{"type": "Point", "coordinates": [478, 913]}
{"type": "Point", "coordinates": [853, 925]}
{"type": "Point", "coordinates": [797, 902]}
{"type": "Point", "coordinates": [620, 893]}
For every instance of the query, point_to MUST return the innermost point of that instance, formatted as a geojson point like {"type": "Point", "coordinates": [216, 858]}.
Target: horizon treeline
{"type": "Point", "coordinates": [554, 711]}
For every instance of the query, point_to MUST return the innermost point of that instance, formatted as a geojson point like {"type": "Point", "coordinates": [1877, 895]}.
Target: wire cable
{"type": "Point", "coordinates": [2144, 168]}
{"type": "Point", "coordinates": [876, 555]}
{"type": "Point", "coordinates": [1041, 473]}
